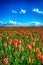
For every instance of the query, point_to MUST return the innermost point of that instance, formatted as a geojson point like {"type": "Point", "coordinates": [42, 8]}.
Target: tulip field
{"type": "Point", "coordinates": [21, 46]}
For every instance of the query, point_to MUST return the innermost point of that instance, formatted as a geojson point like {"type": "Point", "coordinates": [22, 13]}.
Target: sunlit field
{"type": "Point", "coordinates": [21, 46]}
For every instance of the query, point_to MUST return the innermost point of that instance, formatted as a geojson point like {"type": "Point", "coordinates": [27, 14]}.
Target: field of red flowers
{"type": "Point", "coordinates": [21, 46]}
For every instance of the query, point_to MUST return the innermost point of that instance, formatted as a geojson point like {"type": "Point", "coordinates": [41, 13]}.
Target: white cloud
{"type": "Point", "coordinates": [1, 22]}
{"type": "Point", "coordinates": [12, 22]}
{"type": "Point", "coordinates": [36, 23]}
{"type": "Point", "coordinates": [22, 11]}
{"type": "Point", "coordinates": [19, 23]}
{"type": "Point", "coordinates": [15, 23]}
{"type": "Point", "coordinates": [33, 23]}
{"type": "Point", "coordinates": [13, 11]}
{"type": "Point", "coordinates": [37, 11]}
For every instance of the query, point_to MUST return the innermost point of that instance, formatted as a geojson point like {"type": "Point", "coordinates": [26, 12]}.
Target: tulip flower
{"type": "Point", "coordinates": [5, 44]}
{"type": "Point", "coordinates": [33, 44]}
{"type": "Point", "coordinates": [41, 58]}
{"type": "Point", "coordinates": [28, 46]}
{"type": "Point", "coordinates": [10, 41]}
{"type": "Point", "coordinates": [6, 37]}
{"type": "Point", "coordinates": [39, 54]}
{"type": "Point", "coordinates": [19, 46]}
{"type": "Point", "coordinates": [26, 37]}
{"type": "Point", "coordinates": [22, 48]}
{"type": "Point", "coordinates": [15, 45]}
{"type": "Point", "coordinates": [5, 61]}
{"type": "Point", "coordinates": [37, 49]}
{"type": "Point", "coordinates": [15, 40]}
{"type": "Point", "coordinates": [19, 41]}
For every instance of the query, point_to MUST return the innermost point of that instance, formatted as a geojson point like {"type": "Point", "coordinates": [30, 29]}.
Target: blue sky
{"type": "Point", "coordinates": [21, 12]}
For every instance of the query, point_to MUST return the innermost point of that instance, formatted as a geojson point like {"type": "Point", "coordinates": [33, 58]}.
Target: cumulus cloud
{"type": "Point", "coordinates": [1, 22]}
{"type": "Point", "coordinates": [22, 11]}
{"type": "Point", "coordinates": [12, 22]}
{"type": "Point", "coordinates": [36, 23]}
{"type": "Point", "coordinates": [33, 23]}
{"type": "Point", "coordinates": [15, 23]}
{"type": "Point", "coordinates": [13, 11]}
{"type": "Point", "coordinates": [37, 11]}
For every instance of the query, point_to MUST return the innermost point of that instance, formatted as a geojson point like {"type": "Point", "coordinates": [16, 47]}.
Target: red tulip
{"type": "Point", "coordinates": [39, 54]}
{"type": "Point", "coordinates": [5, 44]}
{"type": "Point", "coordinates": [41, 58]}
{"type": "Point", "coordinates": [15, 45]}
{"type": "Point", "coordinates": [37, 49]}
{"type": "Point", "coordinates": [6, 37]}
{"type": "Point", "coordinates": [19, 46]}
{"type": "Point", "coordinates": [22, 31]}
{"type": "Point", "coordinates": [35, 39]}
{"type": "Point", "coordinates": [22, 48]}
{"type": "Point", "coordinates": [10, 41]}
{"type": "Point", "coordinates": [28, 46]}
{"type": "Point", "coordinates": [19, 41]}
{"type": "Point", "coordinates": [5, 61]}
{"type": "Point", "coordinates": [33, 44]}
{"type": "Point", "coordinates": [15, 40]}
{"type": "Point", "coordinates": [26, 37]}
